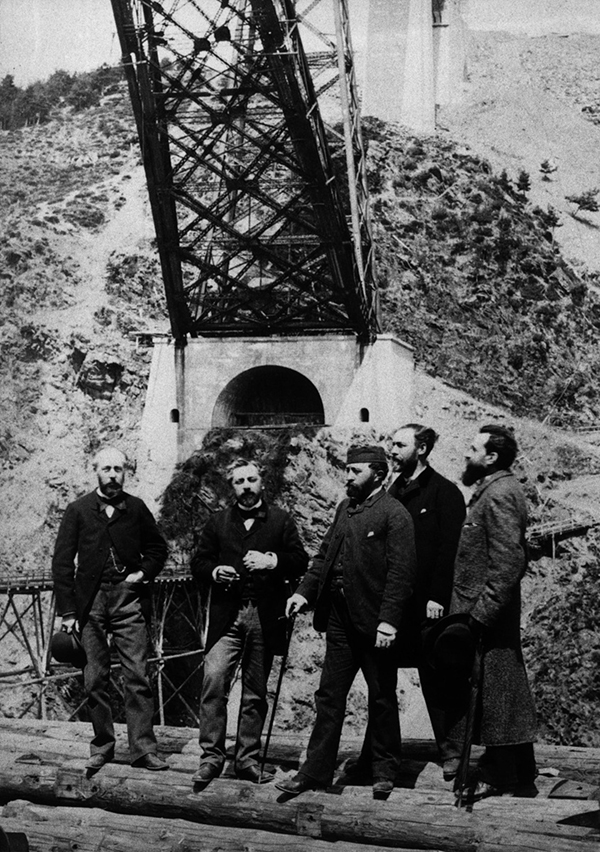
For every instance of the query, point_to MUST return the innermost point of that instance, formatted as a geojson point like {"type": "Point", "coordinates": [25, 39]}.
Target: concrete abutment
{"type": "Point", "coordinates": [261, 382]}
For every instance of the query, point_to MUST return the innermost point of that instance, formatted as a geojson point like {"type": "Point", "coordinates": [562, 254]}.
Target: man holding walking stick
{"type": "Point", "coordinates": [490, 564]}
{"type": "Point", "coordinates": [358, 584]}
{"type": "Point", "coordinates": [251, 557]}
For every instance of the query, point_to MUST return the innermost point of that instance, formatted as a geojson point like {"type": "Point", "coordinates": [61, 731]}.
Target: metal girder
{"type": "Point", "coordinates": [260, 228]}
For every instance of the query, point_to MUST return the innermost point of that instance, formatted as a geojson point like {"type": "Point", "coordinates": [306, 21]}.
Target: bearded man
{"type": "Point", "coordinates": [108, 550]}
{"type": "Point", "coordinates": [490, 565]}
{"type": "Point", "coordinates": [437, 509]}
{"type": "Point", "coordinates": [358, 583]}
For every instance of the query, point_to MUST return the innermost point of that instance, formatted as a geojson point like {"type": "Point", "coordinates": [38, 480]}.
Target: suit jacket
{"type": "Point", "coordinates": [490, 564]}
{"type": "Point", "coordinates": [83, 543]}
{"type": "Point", "coordinates": [379, 564]}
{"type": "Point", "coordinates": [224, 541]}
{"type": "Point", "coordinates": [437, 508]}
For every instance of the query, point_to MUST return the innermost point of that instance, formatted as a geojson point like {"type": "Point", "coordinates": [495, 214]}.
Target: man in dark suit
{"type": "Point", "coordinates": [358, 583]}
{"type": "Point", "coordinates": [251, 557]}
{"type": "Point", "coordinates": [437, 508]}
{"type": "Point", "coordinates": [119, 551]}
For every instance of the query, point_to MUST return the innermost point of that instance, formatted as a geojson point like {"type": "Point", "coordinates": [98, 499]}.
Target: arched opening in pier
{"type": "Point", "coordinates": [268, 396]}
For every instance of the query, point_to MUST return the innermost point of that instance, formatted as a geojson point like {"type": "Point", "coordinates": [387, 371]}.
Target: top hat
{"type": "Point", "coordinates": [449, 645]}
{"type": "Point", "coordinates": [67, 648]}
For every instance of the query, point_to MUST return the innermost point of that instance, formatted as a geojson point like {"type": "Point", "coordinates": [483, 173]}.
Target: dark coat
{"type": "Point", "coordinates": [86, 535]}
{"type": "Point", "coordinates": [437, 508]}
{"type": "Point", "coordinates": [379, 564]}
{"type": "Point", "coordinates": [225, 541]}
{"type": "Point", "coordinates": [490, 564]}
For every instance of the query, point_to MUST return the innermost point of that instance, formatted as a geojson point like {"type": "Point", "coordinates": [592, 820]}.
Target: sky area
{"type": "Point", "coordinates": [38, 37]}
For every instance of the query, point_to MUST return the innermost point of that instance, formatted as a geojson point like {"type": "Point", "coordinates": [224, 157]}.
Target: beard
{"type": "Point", "coordinates": [406, 467]}
{"type": "Point", "coordinates": [248, 499]}
{"type": "Point", "coordinates": [473, 473]}
{"type": "Point", "coordinates": [111, 489]}
{"type": "Point", "coordinates": [359, 493]}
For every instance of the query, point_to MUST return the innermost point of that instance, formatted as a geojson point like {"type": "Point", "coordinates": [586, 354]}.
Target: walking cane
{"type": "Point", "coordinates": [284, 657]}
{"type": "Point", "coordinates": [463, 767]}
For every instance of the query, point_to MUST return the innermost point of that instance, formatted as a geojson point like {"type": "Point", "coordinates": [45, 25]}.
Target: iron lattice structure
{"type": "Point", "coordinates": [260, 207]}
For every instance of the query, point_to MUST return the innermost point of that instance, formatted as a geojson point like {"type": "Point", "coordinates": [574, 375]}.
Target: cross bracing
{"type": "Point", "coordinates": [260, 208]}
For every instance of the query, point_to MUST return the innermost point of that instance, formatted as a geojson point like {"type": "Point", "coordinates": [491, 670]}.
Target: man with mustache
{"type": "Point", "coordinates": [358, 584]}
{"type": "Point", "coordinates": [490, 565]}
{"type": "Point", "coordinates": [108, 550]}
{"type": "Point", "coordinates": [251, 557]}
{"type": "Point", "coordinates": [437, 509]}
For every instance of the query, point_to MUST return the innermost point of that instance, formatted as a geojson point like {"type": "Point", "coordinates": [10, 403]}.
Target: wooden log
{"type": "Point", "coordinates": [285, 751]}
{"type": "Point", "coordinates": [64, 829]}
{"type": "Point", "coordinates": [409, 819]}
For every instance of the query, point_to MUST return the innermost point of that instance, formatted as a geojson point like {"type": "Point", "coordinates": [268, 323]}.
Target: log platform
{"type": "Point", "coordinates": [46, 793]}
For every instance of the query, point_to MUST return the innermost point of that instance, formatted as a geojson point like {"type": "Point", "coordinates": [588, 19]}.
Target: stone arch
{"type": "Point", "coordinates": [268, 396]}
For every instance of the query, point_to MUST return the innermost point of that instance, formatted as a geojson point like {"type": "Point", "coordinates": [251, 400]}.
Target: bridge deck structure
{"type": "Point", "coordinates": [254, 163]}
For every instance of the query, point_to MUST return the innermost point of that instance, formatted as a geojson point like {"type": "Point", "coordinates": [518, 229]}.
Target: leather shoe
{"type": "Point", "coordinates": [150, 761]}
{"type": "Point", "coordinates": [295, 786]}
{"type": "Point", "coordinates": [252, 773]}
{"type": "Point", "coordinates": [450, 768]}
{"type": "Point", "coordinates": [382, 788]}
{"type": "Point", "coordinates": [205, 774]}
{"type": "Point", "coordinates": [483, 790]}
{"type": "Point", "coordinates": [97, 761]}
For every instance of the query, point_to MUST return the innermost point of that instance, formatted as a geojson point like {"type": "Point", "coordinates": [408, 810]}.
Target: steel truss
{"type": "Point", "coordinates": [260, 209]}
{"type": "Point", "coordinates": [27, 619]}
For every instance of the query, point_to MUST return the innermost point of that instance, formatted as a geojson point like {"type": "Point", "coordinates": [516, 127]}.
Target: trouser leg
{"type": "Point", "coordinates": [256, 665]}
{"type": "Point", "coordinates": [96, 675]}
{"type": "Point", "coordinates": [219, 667]}
{"type": "Point", "coordinates": [339, 670]}
{"type": "Point", "coordinates": [130, 635]}
{"type": "Point", "coordinates": [381, 674]}
{"type": "Point", "coordinates": [435, 701]}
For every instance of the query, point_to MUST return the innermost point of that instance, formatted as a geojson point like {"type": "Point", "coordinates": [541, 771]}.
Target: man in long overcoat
{"type": "Point", "coordinates": [108, 550]}
{"type": "Point", "coordinates": [358, 584]}
{"type": "Point", "coordinates": [251, 557]}
{"type": "Point", "coordinates": [490, 565]}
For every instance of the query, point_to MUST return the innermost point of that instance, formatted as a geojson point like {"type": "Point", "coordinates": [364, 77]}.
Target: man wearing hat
{"type": "Point", "coordinates": [437, 509]}
{"type": "Point", "coordinates": [108, 550]}
{"type": "Point", "coordinates": [490, 564]}
{"type": "Point", "coordinates": [358, 585]}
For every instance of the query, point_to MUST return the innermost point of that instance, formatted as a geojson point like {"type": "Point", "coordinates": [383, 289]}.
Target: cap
{"type": "Point", "coordinates": [367, 453]}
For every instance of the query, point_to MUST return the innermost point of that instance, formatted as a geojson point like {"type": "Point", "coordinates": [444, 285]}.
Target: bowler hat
{"type": "Point", "coordinates": [67, 648]}
{"type": "Point", "coordinates": [449, 645]}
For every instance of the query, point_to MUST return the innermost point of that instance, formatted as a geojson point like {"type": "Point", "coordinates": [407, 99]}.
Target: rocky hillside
{"type": "Point", "coordinates": [471, 274]}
